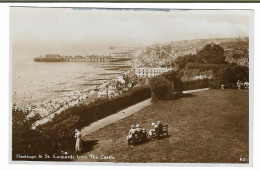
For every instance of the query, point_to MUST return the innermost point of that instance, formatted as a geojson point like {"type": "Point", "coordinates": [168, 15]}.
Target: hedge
{"type": "Point", "coordinates": [105, 107]}
{"type": "Point", "coordinates": [196, 84]}
{"type": "Point", "coordinates": [205, 67]}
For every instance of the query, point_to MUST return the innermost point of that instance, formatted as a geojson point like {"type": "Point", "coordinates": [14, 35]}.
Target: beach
{"type": "Point", "coordinates": [49, 88]}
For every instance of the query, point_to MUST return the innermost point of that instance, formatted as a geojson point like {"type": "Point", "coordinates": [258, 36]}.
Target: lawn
{"type": "Point", "coordinates": [209, 127]}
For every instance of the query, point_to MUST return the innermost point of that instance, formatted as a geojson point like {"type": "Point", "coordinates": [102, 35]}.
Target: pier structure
{"type": "Point", "coordinates": [58, 58]}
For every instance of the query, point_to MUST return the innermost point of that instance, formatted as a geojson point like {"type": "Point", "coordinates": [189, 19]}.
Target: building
{"type": "Point", "coordinates": [112, 86]}
{"type": "Point", "coordinates": [150, 72]}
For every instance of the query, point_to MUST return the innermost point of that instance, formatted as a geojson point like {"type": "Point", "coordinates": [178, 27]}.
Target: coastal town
{"type": "Point", "coordinates": [131, 85]}
{"type": "Point", "coordinates": [146, 62]}
{"type": "Point", "coordinates": [127, 73]}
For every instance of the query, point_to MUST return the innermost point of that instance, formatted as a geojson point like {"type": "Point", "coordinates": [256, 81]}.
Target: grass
{"type": "Point", "coordinates": [209, 127]}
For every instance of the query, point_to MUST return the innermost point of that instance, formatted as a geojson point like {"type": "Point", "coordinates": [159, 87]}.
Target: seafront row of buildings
{"type": "Point", "coordinates": [151, 72]}
{"type": "Point", "coordinates": [134, 78]}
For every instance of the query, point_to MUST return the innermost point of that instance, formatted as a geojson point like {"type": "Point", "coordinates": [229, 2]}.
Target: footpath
{"type": "Point", "coordinates": [122, 114]}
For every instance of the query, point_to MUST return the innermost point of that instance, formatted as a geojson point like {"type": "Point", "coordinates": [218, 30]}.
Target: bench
{"type": "Point", "coordinates": [160, 132]}
{"type": "Point", "coordinates": [163, 130]}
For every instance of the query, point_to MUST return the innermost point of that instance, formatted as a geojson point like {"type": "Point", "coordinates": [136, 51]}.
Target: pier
{"type": "Point", "coordinates": [79, 59]}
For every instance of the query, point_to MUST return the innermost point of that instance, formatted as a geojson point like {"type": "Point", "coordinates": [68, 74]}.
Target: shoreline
{"type": "Point", "coordinates": [92, 96]}
{"type": "Point", "coordinates": [50, 98]}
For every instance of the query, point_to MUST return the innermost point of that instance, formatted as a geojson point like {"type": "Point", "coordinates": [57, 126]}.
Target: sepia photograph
{"type": "Point", "coordinates": [130, 85]}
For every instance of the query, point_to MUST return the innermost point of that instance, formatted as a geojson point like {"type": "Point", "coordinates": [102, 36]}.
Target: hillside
{"type": "Point", "coordinates": [236, 51]}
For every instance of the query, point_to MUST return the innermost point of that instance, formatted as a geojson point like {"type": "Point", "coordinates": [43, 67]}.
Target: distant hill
{"type": "Point", "coordinates": [236, 51]}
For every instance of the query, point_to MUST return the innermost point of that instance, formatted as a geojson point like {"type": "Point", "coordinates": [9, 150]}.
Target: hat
{"type": "Point", "coordinates": [143, 129]}
{"type": "Point", "coordinates": [132, 126]}
{"type": "Point", "coordinates": [153, 124]}
{"type": "Point", "coordinates": [76, 130]}
{"type": "Point", "coordinates": [137, 125]}
{"type": "Point", "coordinates": [158, 121]}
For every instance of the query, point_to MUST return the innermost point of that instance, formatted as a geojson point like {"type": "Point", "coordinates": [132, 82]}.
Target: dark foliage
{"type": "Point", "coordinates": [161, 88]}
{"type": "Point", "coordinates": [183, 60]}
{"type": "Point", "coordinates": [24, 138]}
{"type": "Point", "coordinates": [229, 76]}
{"type": "Point", "coordinates": [195, 84]}
{"type": "Point", "coordinates": [57, 135]}
{"type": "Point", "coordinates": [213, 54]}
{"type": "Point", "coordinates": [205, 67]}
{"type": "Point", "coordinates": [210, 54]}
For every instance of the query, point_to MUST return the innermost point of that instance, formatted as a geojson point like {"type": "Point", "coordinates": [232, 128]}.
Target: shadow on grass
{"type": "Point", "coordinates": [179, 95]}
{"type": "Point", "coordinates": [148, 140]}
{"type": "Point", "coordinates": [88, 145]}
{"type": "Point", "coordinates": [164, 137]}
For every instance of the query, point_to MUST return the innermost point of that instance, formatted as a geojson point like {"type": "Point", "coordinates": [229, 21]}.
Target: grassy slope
{"type": "Point", "coordinates": [211, 126]}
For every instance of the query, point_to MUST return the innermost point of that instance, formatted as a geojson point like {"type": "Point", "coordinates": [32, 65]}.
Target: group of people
{"type": "Point", "coordinates": [241, 85]}
{"type": "Point", "coordinates": [138, 134]}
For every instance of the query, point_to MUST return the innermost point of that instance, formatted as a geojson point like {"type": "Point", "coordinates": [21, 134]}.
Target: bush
{"type": "Point", "coordinates": [215, 83]}
{"type": "Point", "coordinates": [25, 140]}
{"type": "Point", "coordinates": [229, 76]}
{"type": "Point", "coordinates": [161, 88]}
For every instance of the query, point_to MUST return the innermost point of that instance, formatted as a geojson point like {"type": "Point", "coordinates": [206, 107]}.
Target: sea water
{"type": "Point", "coordinates": [35, 80]}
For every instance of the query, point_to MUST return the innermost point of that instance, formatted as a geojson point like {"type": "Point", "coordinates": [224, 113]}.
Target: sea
{"type": "Point", "coordinates": [33, 82]}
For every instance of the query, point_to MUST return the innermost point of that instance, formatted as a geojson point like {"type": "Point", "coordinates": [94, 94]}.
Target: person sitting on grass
{"type": "Point", "coordinates": [138, 131]}
{"type": "Point", "coordinates": [153, 133]}
{"type": "Point", "coordinates": [160, 127]}
{"type": "Point", "coordinates": [138, 128]}
{"type": "Point", "coordinates": [132, 130]}
{"type": "Point", "coordinates": [130, 136]}
{"type": "Point", "coordinates": [144, 134]}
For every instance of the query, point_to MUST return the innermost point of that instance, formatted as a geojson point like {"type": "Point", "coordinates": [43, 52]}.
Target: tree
{"type": "Point", "coordinates": [229, 76]}
{"type": "Point", "coordinates": [233, 73]}
{"type": "Point", "coordinates": [174, 77]}
{"type": "Point", "coordinates": [183, 60]}
{"type": "Point", "coordinates": [211, 54]}
{"type": "Point", "coordinates": [161, 88]}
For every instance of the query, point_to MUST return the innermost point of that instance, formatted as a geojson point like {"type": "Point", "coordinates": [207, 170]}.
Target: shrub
{"type": "Point", "coordinates": [161, 88]}
{"type": "Point", "coordinates": [229, 76]}
{"type": "Point", "coordinates": [25, 140]}
{"type": "Point", "coordinates": [215, 83]}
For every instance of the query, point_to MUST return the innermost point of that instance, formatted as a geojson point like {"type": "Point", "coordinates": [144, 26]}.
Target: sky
{"type": "Point", "coordinates": [82, 31]}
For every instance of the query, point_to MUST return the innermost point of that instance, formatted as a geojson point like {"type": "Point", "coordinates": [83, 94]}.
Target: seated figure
{"type": "Point", "coordinates": [138, 131]}
{"type": "Point", "coordinates": [130, 137]}
{"type": "Point", "coordinates": [153, 133]}
{"type": "Point", "coordinates": [144, 134]}
{"type": "Point", "coordinates": [160, 127]}
{"type": "Point", "coordinates": [132, 130]}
